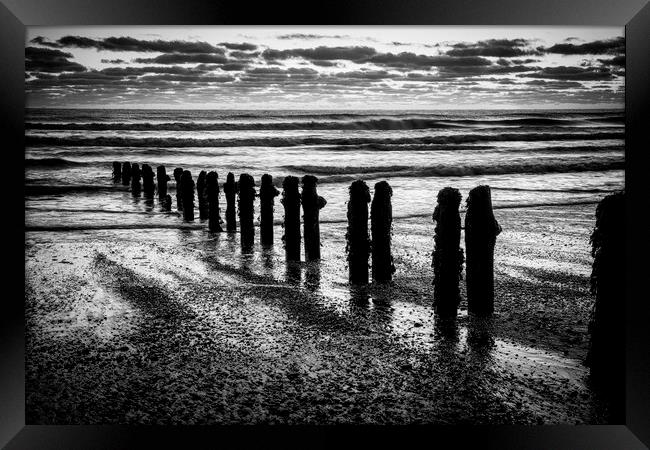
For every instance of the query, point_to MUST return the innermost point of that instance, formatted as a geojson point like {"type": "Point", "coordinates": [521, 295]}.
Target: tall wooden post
{"type": "Point", "coordinates": [268, 192]}
{"type": "Point", "coordinates": [202, 195]}
{"type": "Point", "coordinates": [606, 355]}
{"type": "Point", "coordinates": [148, 185]}
{"type": "Point", "coordinates": [447, 255]}
{"type": "Point", "coordinates": [126, 173]}
{"type": "Point", "coordinates": [187, 189]}
{"type": "Point", "coordinates": [163, 178]}
{"type": "Point", "coordinates": [178, 173]}
{"type": "Point", "coordinates": [481, 231]}
{"type": "Point", "coordinates": [381, 221]}
{"type": "Point", "coordinates": [230, 189]}
{"type": "Point", "coordinates": [212, 188]}
{"type": "Point", "coordinates": [311, 206]}
{"type": "Point", "coordinates": [291, 202]}
{"type": "Point", "coordinates": [246, 210]}
{"type": "Point", "coordinates": [358, 242]}
{"type": "Point", "coordinates": [117, 172]}
{"type": "Point", "coordinates": [135, 179]}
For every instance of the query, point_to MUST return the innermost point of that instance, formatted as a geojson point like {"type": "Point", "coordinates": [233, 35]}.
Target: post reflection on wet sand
{"type": "Point", "coordinates": [312, 276]}
{"type": "Point", "coordinates": [293, 273]}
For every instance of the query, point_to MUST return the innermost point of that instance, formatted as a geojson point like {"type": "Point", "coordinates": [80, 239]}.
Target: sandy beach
{"type": "Point", "coordinates": [177, 326]}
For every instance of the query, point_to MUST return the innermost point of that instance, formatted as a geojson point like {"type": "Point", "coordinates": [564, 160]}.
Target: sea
{"type": "Point", "coordinates": [527, 157]}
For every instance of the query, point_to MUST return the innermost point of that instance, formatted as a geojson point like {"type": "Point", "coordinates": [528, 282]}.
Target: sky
{"type": "Point", "coordinates": [372, 67]}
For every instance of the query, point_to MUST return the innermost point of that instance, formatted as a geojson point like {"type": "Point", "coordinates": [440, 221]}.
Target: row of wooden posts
{"type": "Point", "coordinates": [481, 228]}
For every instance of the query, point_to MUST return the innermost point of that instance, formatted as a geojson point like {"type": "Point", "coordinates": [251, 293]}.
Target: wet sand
{"type": "Point", "coordinates": [164, 326]}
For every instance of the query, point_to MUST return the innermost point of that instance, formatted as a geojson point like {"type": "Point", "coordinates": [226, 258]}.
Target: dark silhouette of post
{"type": "Point", "coordinates": [178, 173]}
{"type": "Point", "coordinates": [126, 173]}
{"type": "Point", "coordinates": [117, 172]}
{"type": "Point", "coordinates": [358, 242]}
{"type": "Point", "coordinates": [246, 210]}
{"type": "Point", "coordinates": [268, 192]}
{"type": "Point", "coordinates": [187, 190]}
{"type": "Point", "coordinates": [381, 221]}
{"type": "Point", "coordinates": [163, 178]}
{"type": "Point", "coordinates": [447, 255]}
{"type": "Point", "coordinates": [212, 189]}
{"type": "Point", "coordinates": [135, 179]}
{"type": "Point", "coordinates": [311, 206]}
{"type": "Point", "coordinates": [481, 231]}
{"type": "Point", "coordinates": [148, 185]}
{"type": "Point", "coordinates": [291, 202]}
{"type": "Point", "coordinates": [230, 189]}
{"type": "Point", "coordinates": [166, 203]}
{"type": "Point", "coordinates": [202, 195]}
{"type": "Point", "coordinates": [606, 355]}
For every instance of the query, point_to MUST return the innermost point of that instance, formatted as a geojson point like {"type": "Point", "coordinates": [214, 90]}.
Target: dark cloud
{"type": "Point", "coordinates": [410, 60]}
{"type": "Point", "coordinates": [50, 60]}
{"type": "Point", "coordinates": [184, 58]}
{"type": "Point", "coordinates": [321, 53]}
{"type": "Point", "coordinates": [554, 84]}
{"type": "Point", "coordinates": [604, 47]}
{"type": "Point", "coordinates": [243, 55]}
{"type": "Point", "coordinates": [571, 73]}
{"type": "Point", "coordinates": [615, 61]}
{"type": "Point", "coordinates": [113, 61]}
{"type": "Point", "coordinates": [325, 63]}
{"type": "Point", "coordinates": [245, 46]}
{"type": "Point", "coordinates": [502, 48]}
{"type": "Point", "coordinates": [128, 44]}
{"type": "Point", "coordinates": [365, 74]}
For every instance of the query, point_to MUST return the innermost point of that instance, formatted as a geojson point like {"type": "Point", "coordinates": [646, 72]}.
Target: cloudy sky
{"type": "Point", "coordinates": [325, 67]}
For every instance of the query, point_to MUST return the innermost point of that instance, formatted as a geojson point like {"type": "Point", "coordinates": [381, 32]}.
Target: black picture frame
{"type": "Point", "coordinates": [15, 15]}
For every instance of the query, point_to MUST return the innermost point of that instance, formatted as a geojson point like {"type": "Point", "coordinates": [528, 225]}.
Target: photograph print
{"type": "Point", "coordinates": [324, 225]}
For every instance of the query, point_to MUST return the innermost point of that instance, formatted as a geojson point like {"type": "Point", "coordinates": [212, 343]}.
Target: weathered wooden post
{"type": "Point", "coordinates": [202, 195]}
{"type": "Point", "coordinates": [246, 210]}
{"type": "Point", "coordinates": [212, 189]}
{"type": "Point", "coordinates": [481, 231]}
{"type": "Point", "coordinates": [358, 242]}
{"type": "Point", "coordinates": [178, 173]}
{"type": "Point", "coordinates": [148, 185]}
{"type": "Point", "coordinates": [126, 173]}
{"type": "Point", "coordinates": [230, 189]}
{"type": "Point", "coordinates": [311, 206]}
{"type": "Point", "coordinates": [163, 178]}
{"type": "Point", "coordinates": [606, 355]}
{"type": "Point", "coordinates": [268, 192]}
{"type": "Point", "coordinates": [187, 189]}
{"type": "Point", "coordinates": [135, 179]}
{"type": "Point", "coordinates": [381, 221]}
{"type": "Point", "coordinates": [166, 203]}
{"type": "Point", "coordinates": [291, 202]}
{"type": "Point", "coordinates": [117, 172]}
{"type": "Point", "coordinates": [447, 256]}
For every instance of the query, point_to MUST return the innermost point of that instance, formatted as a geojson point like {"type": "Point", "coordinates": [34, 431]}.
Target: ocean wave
{"type": "Point", "coordinates": [50, 162]}
{"type": "Point", "coordinates": [54, 189]}
{"type": "Point", "coordinates": [382, 123]}
{"type": "Point", "coordinates": [81, 227]}
{"type": "Point", "coordinates": [76, 140]}
{"type": "Point", "coordinates": [331, 174]}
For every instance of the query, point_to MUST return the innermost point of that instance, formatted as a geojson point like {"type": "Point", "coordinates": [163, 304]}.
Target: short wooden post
{"type": "Point", "coordinates": [187, 189]}
{"type": "Point", "coordinates": [163, 178]}
{"type": "Point", "coordinates": [202, 195]}
{"type": "Point", "coordinates": [447, 255]}
{"type": "Point", "coordinates": [135, 179]}
{"type": "Point", "coordinates": [178, 173]}
{"type": "Point", "coordinates": [212, 188]}
{"type": "Point", "coordinates": [268, 192]}
{"type": "Point", "coordinates": [291, 202]}
{"type": "Point", "coordinates": [311, 206]}
{"type": "Point", "coordinates": [606, 354]}
{"type": "Point", "coordinates": [148, 185]}
{"type": "Point", "coordinates": [358, 242]}
{"type": "Point", "coordinates": [246, 210]}
{"type": "Point", "coordinates": [481, 231]}
{"type": "Point", "coordinates": [381, 221]}
{"type": "Point", "coordinates": [126, 173]}
{"type": "Point", "coordinates": [230, 189]}
{"type": "Point", "coordinates": [166, 203]}
{"type": "Point", "coordinates": [117, 172]}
